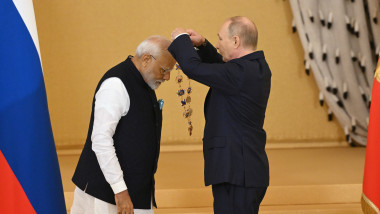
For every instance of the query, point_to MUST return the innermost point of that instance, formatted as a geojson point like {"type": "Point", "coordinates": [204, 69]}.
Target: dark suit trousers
{"type": "Point", "coordinates": [232, 199]}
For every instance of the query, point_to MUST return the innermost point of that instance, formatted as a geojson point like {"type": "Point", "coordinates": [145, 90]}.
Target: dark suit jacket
{"type": "Point", "coordinates": [234, 138]}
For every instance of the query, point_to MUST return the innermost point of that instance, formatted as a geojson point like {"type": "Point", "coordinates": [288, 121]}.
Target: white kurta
{"type": "Point", "coordinates": [111, 103]}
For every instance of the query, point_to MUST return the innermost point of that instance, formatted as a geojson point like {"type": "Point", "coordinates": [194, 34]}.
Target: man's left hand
{"type": "Point", "coordinates": [176, 32]}
{"type": "Point", "coordinates": [124, 203]}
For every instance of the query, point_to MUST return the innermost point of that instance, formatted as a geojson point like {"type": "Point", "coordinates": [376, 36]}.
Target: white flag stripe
{"type": "Point", "coordinates": [26, 10]}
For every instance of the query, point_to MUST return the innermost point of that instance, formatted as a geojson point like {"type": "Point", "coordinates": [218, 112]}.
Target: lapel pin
{"type": "Point", "coordinates": [161, 103]}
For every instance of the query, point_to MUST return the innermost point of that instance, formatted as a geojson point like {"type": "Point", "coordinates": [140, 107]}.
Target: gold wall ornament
{"type": "Point", "coordinates": [185, 100]}
{"type": "Point", "coordinates": [377, 73]}
{"type": "Point", "coordinates": [368, 206]}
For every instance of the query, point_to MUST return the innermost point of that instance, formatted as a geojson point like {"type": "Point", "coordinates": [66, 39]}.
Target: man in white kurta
{"type": "Point", "coordinates": [112, 102]}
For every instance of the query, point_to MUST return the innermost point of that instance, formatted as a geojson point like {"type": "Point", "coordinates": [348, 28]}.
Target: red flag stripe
{"type": "Point", "coordinates": [12, 196]}
{"type": "Point", "coordinates": [371, 184]}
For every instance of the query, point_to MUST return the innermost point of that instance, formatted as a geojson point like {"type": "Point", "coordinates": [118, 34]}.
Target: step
{"type": "Point", "coordinates": [276, 196]}
{"type": "Point", "coordinates": [318, 180]}
{"type": "Point", "coordinates": [284, 209]}
{"type": "Point", "coordinates": [353, 208]}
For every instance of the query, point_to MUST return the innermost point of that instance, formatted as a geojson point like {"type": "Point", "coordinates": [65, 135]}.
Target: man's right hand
{"type": "Point", "coordinates": [195, 37]}
{"type": "Point", "coordinates": [123, 203]}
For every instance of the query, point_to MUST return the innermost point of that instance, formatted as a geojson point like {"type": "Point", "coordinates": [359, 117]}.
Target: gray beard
{"type": "Point", "coordinates": [153, 85]}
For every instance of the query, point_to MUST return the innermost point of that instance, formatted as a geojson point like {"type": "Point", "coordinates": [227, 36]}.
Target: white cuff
{"type": "Point", "coordinates": [119, 187]}
{"type": "Point", "coordinates": [181, 35]}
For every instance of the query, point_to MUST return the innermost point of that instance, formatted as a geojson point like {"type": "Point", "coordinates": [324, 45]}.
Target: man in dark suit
{"type": "Point", "coordinates": [236, 164]}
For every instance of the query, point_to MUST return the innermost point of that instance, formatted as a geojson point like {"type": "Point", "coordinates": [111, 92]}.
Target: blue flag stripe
{"type": "Point", "coordinates": [26, 138]}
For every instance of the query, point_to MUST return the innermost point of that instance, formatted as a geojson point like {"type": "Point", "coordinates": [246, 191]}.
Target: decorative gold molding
{"type": "Point", "coordinates": [377, 73]}
{"type": "Point", "coordinates": [368, 207]}
{"type": "Point", "coordinates": [77, 150]}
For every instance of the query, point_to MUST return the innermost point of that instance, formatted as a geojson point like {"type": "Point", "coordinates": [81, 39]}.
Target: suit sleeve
{"type": "Point", "coordinates": [209, 54]}
{"type": "Point", "coordinates": [225, 77]}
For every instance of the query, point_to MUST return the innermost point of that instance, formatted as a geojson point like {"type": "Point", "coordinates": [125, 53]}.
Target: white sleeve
{"type": "Point", "coordinates": [180, 35]}
{"type": "Point", "coordinates": [111, 103]}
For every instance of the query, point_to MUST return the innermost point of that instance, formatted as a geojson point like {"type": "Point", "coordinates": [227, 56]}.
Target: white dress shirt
{"type": "Point", "coordinates": [180, 35]}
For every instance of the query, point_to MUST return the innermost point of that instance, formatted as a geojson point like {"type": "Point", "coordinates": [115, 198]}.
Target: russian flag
{"type": "Point", "coordinates": [30, 180]}
{"type": "Point", "coordinates": [371, 181]}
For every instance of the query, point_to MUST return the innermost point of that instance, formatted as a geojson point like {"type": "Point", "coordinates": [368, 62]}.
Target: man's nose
{"type": "Point", "coordinates": [167, 76]}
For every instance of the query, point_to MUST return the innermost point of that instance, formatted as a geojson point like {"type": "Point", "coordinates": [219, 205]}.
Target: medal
{"type": "Point", "coordinates": [185, 101]}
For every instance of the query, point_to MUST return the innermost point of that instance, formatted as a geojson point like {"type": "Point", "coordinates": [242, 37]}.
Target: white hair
{"type": "Point", "coordinates": [153, 45]}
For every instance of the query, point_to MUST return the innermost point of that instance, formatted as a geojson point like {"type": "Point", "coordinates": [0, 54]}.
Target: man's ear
{"type": "Point", "coordinates": [146, 60]}
{"type": "Point", "coordinates": [237, 41]}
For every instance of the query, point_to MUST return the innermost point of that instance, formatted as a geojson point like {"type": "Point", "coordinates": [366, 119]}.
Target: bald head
{"type": "Point", "coordinates": [244, 28]}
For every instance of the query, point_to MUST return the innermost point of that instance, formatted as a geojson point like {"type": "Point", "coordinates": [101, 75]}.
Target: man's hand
{"type": "Point", "coordinates": [123, 203]}
{"type": "Point", "coordinates": [176, 32]}
{"type": "Point", "coordinates": [195, 37]}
